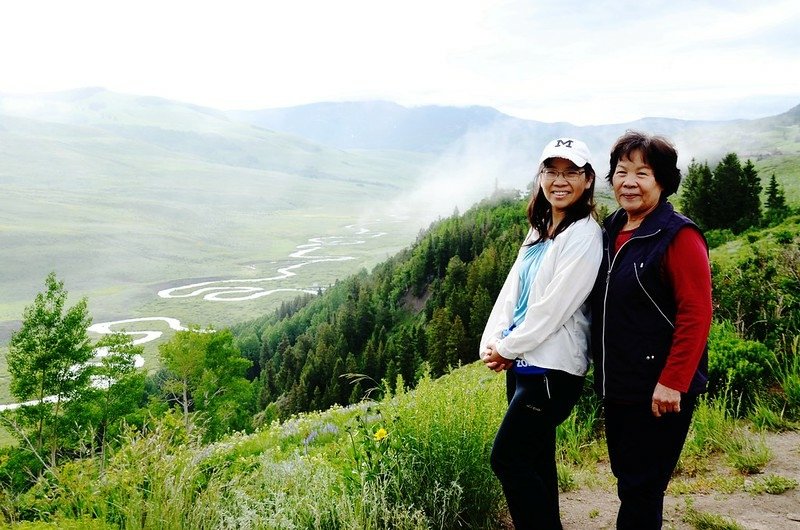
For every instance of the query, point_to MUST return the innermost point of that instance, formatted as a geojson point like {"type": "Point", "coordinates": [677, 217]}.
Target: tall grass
{"type": "Point", "coordinates": [411, 461]}
{"type": "Point", "coordinates": [708, 521]}
{"type": "Point", "coordinates": [779, 408]}
{"type": "Point", "coordinates": [414, 460]}
{"type": "Point", "coordinates": [715, 429]}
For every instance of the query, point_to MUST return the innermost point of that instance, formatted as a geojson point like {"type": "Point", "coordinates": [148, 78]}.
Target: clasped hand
{"type": "Point", "coordinates": [494, 361]}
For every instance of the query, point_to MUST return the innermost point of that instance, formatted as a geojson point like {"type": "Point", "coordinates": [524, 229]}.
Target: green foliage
{"type": "Point", "coordinates": [712, 423]}
{"type": "Point", "coordinates": [787, 371]}
{"type": "Point", "coordinates": [206, 376]}
{"type": "Point", "coordinates": [578, 437]}
{"type": "Point", "coordinates": [708, 521]}
{"type": "Point", "coordinates": [18, 469]}
{"type": "Point", "coordinates": [758, 289]}
{"type": "Point", "coordinates": [47, 357]}
{"type": "Point", "coordinates": [443, 440]}
{"type": "Point", "coordinates": [696, 192]}
{"type": "Point", "coordinates": [736, 365]}
{"type": "Point", "coordinates": [776, 208]}
{"type": "Point", "coordinates": [772, 484]}
{"type": "Point", "coordinates": [769, 413]}
{"type": "Point", "coordinates": [411, 461]}
{"type": "Point", "coordinates": [747, 453]}
{"type": "Point", "coordinates": [60, 523]}
{"type": "Point", "coordinates": [715, 429]}
{"type": "Point", "coordinates": [718, 237]}
{"type": "Point", "coordinates": [117, 392]}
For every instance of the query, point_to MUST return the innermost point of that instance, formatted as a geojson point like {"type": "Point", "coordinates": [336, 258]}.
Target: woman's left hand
{"type": "Point", "coordinates": [495, 361]}
{"type": "Point", "coordinates": [665, 400]}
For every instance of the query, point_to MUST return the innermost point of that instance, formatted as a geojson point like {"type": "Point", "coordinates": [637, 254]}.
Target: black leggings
{"type": "Point", "coordinates": [524, 452]}
{"type": "Point", "coordinates": [643, 451]}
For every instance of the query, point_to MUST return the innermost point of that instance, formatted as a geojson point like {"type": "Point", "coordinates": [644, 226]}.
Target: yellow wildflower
{"type": "Point", "coordinates": [380, 434]}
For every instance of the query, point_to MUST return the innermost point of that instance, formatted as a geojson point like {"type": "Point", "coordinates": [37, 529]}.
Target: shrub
{"type": "Point", "coordinates": [759, 293]}
{"type": "Point", "coordinates": [719, 237]}
{"type": "Point", "coordinates": [736, 365]}
{"type": "Point", "coordinates": [441, 435]}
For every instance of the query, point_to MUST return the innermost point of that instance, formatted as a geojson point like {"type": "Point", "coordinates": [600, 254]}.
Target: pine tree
{"type": "Point", "coordinates": [696, 194]}
{"type": "Point", "coordinates": [776, 209]}
{"type": "Point", "coordinates": [734, 202]}
{"type": "Point", "coordinates": [751, 198]}
{"type": "Point", "coordinates": [457, 349]}
{"type": "Point", "coordinates": [438, 332]}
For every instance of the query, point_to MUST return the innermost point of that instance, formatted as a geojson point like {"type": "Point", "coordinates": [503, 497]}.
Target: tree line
{"type": "Point", "coordinates": [729, 197]}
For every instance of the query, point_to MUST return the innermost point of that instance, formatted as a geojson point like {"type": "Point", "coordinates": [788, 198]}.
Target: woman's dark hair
{"type": "Point", "coordinates": [657, 152]}
{"type": "Point", "coordinates": [540, 209]}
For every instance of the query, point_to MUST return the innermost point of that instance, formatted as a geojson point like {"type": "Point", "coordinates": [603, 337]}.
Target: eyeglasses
{"type": "Point", "coordinates": [570, 175]}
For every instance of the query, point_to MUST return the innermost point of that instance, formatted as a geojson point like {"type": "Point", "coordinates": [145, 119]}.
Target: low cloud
{"type": "Point", "coordinates": [469, 171]}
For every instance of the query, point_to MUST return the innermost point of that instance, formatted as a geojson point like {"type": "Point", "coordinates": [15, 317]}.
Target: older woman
{"type": "Point", "coordinates": [651, 316]}
{"type": "Point", "coordinates": [538, 330]}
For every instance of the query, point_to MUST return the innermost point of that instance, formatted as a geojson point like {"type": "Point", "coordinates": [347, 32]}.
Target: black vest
{"type": "Point", "coordinates": [633, 309]}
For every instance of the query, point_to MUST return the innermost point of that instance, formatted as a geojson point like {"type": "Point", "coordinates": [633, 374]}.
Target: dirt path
{"type": "Point", "coordinates": [595, 506]}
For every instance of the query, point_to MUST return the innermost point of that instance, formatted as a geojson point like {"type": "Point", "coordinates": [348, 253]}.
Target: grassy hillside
{"type": "Point", "coordinates": [414, 460]}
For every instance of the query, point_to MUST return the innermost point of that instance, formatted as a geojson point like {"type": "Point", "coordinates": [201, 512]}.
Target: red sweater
{"type": "Point", "coordinates": [688, 271]}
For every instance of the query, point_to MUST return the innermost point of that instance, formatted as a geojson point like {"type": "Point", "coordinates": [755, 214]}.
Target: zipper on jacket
{"type": "Point", "coordinates": [636, 273]}
{"type": "Point", "coordinates": [605, 295]}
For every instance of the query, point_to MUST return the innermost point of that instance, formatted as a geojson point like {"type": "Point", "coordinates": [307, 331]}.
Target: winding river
{"type": "Point", "coordinates": [232, 290]}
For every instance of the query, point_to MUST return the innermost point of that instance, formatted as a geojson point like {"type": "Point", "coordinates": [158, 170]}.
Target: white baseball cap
{"type": "Point", "coordinates": [573, 150]}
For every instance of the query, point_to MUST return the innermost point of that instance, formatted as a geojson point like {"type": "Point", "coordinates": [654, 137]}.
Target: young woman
{"type": "Point", "coordinates": [538, 331]}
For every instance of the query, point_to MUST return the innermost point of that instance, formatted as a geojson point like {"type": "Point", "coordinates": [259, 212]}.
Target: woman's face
{"type": "Point", "coordinates": [635, 186]}
{"type": "Point", "coordinates": [566, 186]}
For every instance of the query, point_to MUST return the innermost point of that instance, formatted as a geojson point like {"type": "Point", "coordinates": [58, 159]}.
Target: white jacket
{"type": "Point", "coordinates": [555, 332]}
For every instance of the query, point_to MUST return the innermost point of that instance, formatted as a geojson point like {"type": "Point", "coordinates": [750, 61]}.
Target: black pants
{"type": "Point", "coordinates": [524, 452]}
{"type": "Point", "coordinates": [643, 451]}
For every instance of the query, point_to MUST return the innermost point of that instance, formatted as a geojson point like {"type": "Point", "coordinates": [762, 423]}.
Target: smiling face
{"type": "Point", "coordinates": [563, 191]}
{"type": "Point", "coordinates": [635, 186]}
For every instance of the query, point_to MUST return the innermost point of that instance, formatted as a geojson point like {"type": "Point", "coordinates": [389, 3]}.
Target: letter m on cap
{"type": "Point", "coordinates": [567, 143]}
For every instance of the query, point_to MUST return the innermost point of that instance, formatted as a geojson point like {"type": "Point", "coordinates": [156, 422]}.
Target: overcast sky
{"type": "Point", "coordinates": [565, 60]}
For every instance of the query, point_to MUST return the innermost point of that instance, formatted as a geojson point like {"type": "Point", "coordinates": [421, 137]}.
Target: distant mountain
{"type": "Point", "coordinates": [384, 125]}
{"type": "Point", "coordinates": [375, 124]}
{"type": "Point", "coordinates": [186, 131]}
